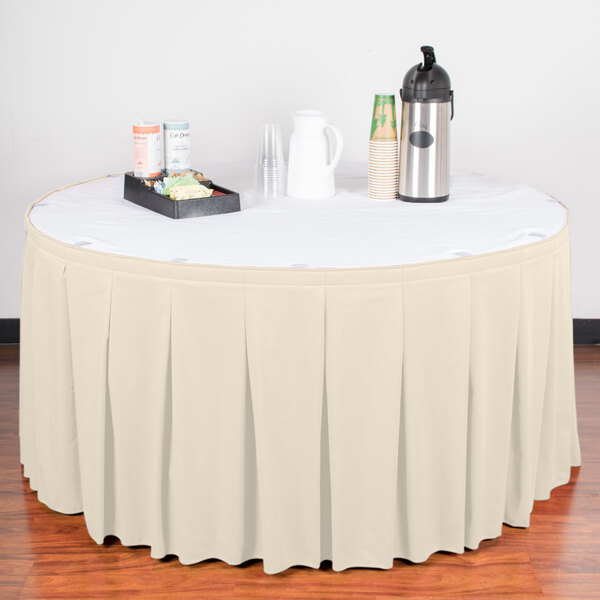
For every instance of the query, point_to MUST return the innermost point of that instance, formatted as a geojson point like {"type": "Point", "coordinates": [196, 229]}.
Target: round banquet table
{"type": "Point", "coordinates": [302, 380]}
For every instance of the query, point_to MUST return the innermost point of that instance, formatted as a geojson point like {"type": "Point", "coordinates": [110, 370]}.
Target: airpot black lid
{"type": "Point", "coordinates": [426, 81]}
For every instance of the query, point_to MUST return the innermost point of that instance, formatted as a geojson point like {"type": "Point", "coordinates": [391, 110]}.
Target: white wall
{"type": "Point", "coordinates": [74, 74]}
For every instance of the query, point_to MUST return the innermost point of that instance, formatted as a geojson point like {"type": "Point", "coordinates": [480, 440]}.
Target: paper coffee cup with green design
{"type": "Point", "coordinates": [383, 123]}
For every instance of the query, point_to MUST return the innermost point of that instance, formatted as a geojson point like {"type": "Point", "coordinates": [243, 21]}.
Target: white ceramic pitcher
{"type": "Point", "coordinates": [310, 175]}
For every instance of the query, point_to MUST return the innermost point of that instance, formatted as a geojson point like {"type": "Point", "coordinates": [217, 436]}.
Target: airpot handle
{"type": "Point", "coordinates": [428, 58]}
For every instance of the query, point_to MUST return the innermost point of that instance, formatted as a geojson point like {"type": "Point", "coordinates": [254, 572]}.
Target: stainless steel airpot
{"type": "Point", "coordinates": [427, 108]}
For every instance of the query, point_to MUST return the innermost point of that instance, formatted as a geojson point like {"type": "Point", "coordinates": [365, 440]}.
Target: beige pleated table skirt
{"type": "Point", "coordinates": [297, 415]}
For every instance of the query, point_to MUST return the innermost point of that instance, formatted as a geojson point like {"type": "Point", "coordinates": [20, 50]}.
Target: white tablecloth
{"type": "Point", "coordinates": [298, 414]}
{"type": "Point", "coordinates": [348, 230]}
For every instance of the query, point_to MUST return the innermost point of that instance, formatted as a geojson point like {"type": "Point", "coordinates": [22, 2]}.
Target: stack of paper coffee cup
{"type": "Point", "coordinates": [383, 149]}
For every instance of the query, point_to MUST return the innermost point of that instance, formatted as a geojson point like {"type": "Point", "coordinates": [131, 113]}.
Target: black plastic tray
{"type": "Point", "coordinates": [137, 192]}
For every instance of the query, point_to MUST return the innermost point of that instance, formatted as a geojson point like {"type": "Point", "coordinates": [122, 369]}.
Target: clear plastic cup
{"type": "Point", "coordinates": [270, 165]}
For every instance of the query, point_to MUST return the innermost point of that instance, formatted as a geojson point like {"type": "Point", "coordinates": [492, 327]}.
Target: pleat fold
{"type": "Point", "coordinates": [89, 292]}
{"type": "Point", "coordinates": [558, 428]}
{"type": "Point", "coordinates": [212, 482]}
{"type": "Point", "coordinates": [364, 377]}
{"type": "Point", "coordinates": [535, 310]}
{"type": "Point", "coordinates": [139, 392]}
{"type": "Point", "coordinates": [286, 383]}
{"type": "Point", "coordinates": [494, 322]}
{"type": "Point", "coordinates": [54, 468]}
{"type": "Point", "coordinates": [433, 438]}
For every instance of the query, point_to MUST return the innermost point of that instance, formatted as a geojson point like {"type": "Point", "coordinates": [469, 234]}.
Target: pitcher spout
{"type": "Point", "coordinates": [309, 121]}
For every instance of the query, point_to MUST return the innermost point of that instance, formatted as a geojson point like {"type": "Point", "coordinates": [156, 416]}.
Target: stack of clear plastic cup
{"type": "Point", "coordinates": [270, 167]}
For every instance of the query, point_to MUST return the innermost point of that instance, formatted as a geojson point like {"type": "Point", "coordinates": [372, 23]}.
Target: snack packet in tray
{"type": "Point", "coordinates": [177, 180]}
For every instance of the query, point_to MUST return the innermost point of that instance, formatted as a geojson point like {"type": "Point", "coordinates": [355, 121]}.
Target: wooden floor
{"type": "Point", "coordinates": [44, 554]}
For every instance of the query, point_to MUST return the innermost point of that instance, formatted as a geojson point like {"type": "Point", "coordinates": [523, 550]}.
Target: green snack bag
{"type": "Point", "coordinates": [187, 179]}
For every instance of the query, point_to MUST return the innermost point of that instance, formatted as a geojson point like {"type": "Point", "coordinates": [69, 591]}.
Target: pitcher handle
{"type": "Point", "coordinates": [339, 146]}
